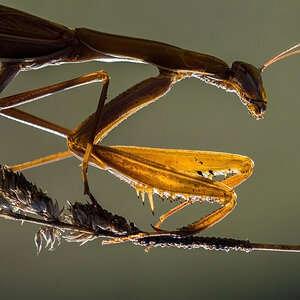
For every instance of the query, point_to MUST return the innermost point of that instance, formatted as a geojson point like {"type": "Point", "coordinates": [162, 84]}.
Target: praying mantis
{"type": "Point", "coordinates": [31, 43]}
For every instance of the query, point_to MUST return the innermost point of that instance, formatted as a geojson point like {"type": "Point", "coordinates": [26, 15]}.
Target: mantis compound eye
{"type": "Point", "coordinates": [249, 87]}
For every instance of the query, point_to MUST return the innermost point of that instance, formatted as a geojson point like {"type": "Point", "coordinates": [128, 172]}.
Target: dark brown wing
{"type": "Point", "coordinates": [24, 36]}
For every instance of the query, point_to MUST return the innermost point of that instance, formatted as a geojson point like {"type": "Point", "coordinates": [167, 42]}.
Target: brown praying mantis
{"type": "Point", "coordinates": [29, 42]}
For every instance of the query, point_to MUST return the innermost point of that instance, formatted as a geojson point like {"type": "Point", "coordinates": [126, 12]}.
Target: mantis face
{"type": "Point", "coordinates": [247, 82]}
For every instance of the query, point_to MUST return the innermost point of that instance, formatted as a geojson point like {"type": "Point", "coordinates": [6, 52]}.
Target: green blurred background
{"type": "Point", "coordinates": [192, 116]}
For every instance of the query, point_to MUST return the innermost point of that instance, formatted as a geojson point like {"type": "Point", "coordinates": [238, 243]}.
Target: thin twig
{"type": "Point", "coordinates": [18, 197]}
{"type": "Point", "coordinates": [163, 240]}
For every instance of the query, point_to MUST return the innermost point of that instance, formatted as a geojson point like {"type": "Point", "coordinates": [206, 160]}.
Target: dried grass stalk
{"type": "Point", "coordinates": [23, 201]}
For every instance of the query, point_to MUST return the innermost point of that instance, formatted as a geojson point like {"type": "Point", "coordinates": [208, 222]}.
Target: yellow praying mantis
{"type": "Point", "coordinates": [30, 42]}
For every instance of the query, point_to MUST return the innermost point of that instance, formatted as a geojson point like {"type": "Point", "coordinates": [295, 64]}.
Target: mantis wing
{"type": "Point", "coordinates": [25, 36]}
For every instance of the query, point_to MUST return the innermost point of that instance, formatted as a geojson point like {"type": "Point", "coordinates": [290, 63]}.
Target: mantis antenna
{"type": "Point", "coordinates": [280, 56]}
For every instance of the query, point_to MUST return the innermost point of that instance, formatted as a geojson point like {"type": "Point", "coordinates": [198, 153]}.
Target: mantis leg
{"type": "Point", "coordinates": [209, 220]}
{"type": "Point", "coordinates": [213, 218]}
{"type": "Point", "coordinates": [34, 121]}
{"type": "Point", "coordinates": [243, 167]}
{"type": "Point", "coordinates": [97, 126]}
{"type": "Point", "coordinates": [194, 228]}
{"type": "Point", "coordinates": [199, 165]}
{"type": "Point", "coordinates": [89, 148]}
{"type": "Point", "coordinates": [7, 103]}
{"type": "Point", "coordinates": [29, 96]}
{"type": "Point", "coordinates": [114, 112]}
{"type": "Point", "coordinates": [120, 108]}
{"type": "Point", "coordinates": [26, 118]}
{"type": "Point", "coordinates": [40, 161]}
{"type": "Point", "coordinates": [171, 212]}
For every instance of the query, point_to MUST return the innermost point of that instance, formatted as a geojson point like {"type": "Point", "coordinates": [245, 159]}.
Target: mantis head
{"type": "Point", "coordinates": [247, 82]}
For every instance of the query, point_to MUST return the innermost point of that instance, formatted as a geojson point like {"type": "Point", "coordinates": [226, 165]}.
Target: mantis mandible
{"type": "Point", "coordinates": [170, 173]}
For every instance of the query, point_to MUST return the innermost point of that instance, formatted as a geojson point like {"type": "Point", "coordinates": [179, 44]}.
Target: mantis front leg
{"type": "Point", "coordinates": [115, 112]}
{"type": "Point", "coordinates": [179, 174]}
